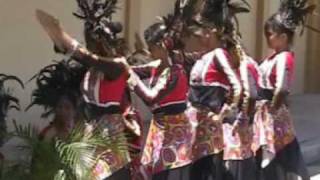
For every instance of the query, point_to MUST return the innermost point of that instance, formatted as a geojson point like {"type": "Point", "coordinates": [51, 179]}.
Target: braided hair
{"type": "Point", "coordinates": [291, 15]}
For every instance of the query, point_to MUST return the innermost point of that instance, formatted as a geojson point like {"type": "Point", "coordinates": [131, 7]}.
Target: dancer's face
{"type": "Point", "coordinates": [275, 40]}
{"type": "Point", "coordinates": [157, 52]}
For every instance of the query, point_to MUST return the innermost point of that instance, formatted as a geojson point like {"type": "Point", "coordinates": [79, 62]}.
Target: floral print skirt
{"type": "Point", "coordinates": [275, 141]}
{"type": "Point", "coordinates": [209, 136]}
{"type": "Point", "coordinates": [168, 144]}
{"type": "Point", "coordinates": [237, 140]}
{"type": "Point", "coordinates": [116, 158]}
{"type": "Point", "coordinates": [272, 130]}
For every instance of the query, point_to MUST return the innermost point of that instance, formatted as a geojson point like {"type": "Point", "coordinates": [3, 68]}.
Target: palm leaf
{"type": "Point", "coordinates": [70, 159]}
{"type": "Point", "coordinates": [12, 78]}
{"type": "Point", "coordinates": [7, 101]}
{"type": "Point", "coordinates": [27, 133]}
{"type": "Point", "coordinates": [61, 175]}
{"type": "Point", "coordinates": [78, 151]}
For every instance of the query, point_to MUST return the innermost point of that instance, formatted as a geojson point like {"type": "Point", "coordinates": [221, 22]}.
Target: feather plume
{"type": "Point", "coordinates": [293, 13]}
{"type": "Point", "coordinates": [53, 81]}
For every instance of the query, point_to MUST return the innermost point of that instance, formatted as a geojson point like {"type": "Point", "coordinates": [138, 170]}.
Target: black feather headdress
{"type": "Point", "coordinates": [99, 27]}
{"type": "Point", "coordinates": [7, 101]}
{"type": "Point", "coordinates": [171, 25]}
{"type": "Point", "coordinates": [222, 14]}
{"type": "Point", "coordinates": [293, 13]}
{"type": "Point", "coordinates": [219, 14]}
{"type": "Point", "coordinates": [188, 9]}
{"type": "Point", "coordinates": [59, 79]}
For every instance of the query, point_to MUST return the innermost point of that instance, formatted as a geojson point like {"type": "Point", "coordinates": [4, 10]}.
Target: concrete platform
{"type": "Point", "coordinates": [306, 115]}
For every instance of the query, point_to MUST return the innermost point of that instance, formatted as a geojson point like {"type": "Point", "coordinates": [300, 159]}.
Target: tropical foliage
{"type": "Point", "coordinates": [7, 102]}
{"type": "Point", "coordinates": [72, 158]}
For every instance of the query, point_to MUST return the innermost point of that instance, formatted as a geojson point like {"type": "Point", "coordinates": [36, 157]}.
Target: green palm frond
{"type": "Point", "coordinates": [45, 161]}
{"type": "Point", "coordinates": [14, 172]}
{"type": "Point", "coordinates": [72, 158]}
{"type": "Point", "coordinates": [61, 175]}
{"type": "Point", "coordinates": [28, 133]}
{"type": "Point", "coordinates": [77, 152]}
{"type": "Point", "coordinates": [7, 102]}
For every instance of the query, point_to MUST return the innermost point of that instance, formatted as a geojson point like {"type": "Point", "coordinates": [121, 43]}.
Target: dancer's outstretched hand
{"type": "Point", "coordinates": [63, 41]}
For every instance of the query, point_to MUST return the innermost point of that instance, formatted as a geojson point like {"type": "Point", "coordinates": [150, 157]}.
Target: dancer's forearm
{"type": "Point", "coordinates": [107, 65]}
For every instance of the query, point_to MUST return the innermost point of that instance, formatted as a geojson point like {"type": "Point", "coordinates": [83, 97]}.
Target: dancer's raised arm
{"type": "Point", "coordinates": [68, 45]}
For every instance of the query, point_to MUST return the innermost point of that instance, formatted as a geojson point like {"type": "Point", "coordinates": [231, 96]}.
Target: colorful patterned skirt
{"type": "Point", "coordinates": [275, 141]}
{"type": "Point", "coordinates": [135, 140]}
{"type": "Point", "coordinates": [209, 136]}
{"type": "Point", "coordinates": [238, 156]}
{"type": "Point", "coordinates": [207, 148]}
{"type": "Point", "coordinates": [272, 130]}
{"type": "Point", "coordinates": [113, 161]}
{"type": "Point", "coordinates": [238, 139]}
{"type": "Point", "coordinates": [169, 144]}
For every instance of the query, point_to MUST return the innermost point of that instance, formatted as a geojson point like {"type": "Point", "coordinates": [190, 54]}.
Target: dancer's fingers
{"type": "Point", "coordinates": [47, 20]}
{"type": "Point", "coordinates": [51, 25]}
{"type": "Point", "coordinates": [48, 23]}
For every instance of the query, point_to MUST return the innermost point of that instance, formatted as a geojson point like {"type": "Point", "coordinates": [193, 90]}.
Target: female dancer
{"type": "Point", "coordinates": [105, 90]}
{"type": "Point", "coordinates": [212, 79]}
{"type": "Point", "coordinates": [168, 147]}
{"type": "Point", "coordinates": [64, 119]}
{"type": "Point", "coordinates": [280, 154]}
{"type": "Point", "coordinates": [238, 134]}
{"type": "Point", "coordinates": [62, 80]}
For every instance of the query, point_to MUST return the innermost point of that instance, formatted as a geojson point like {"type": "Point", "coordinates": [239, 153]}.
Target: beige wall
{"type": "Point", "coordinates": [143, 13]}
{"type": "Point", "coordinates": [312, 67]}
{"type": "Point", "coordinates": [247, 28]}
